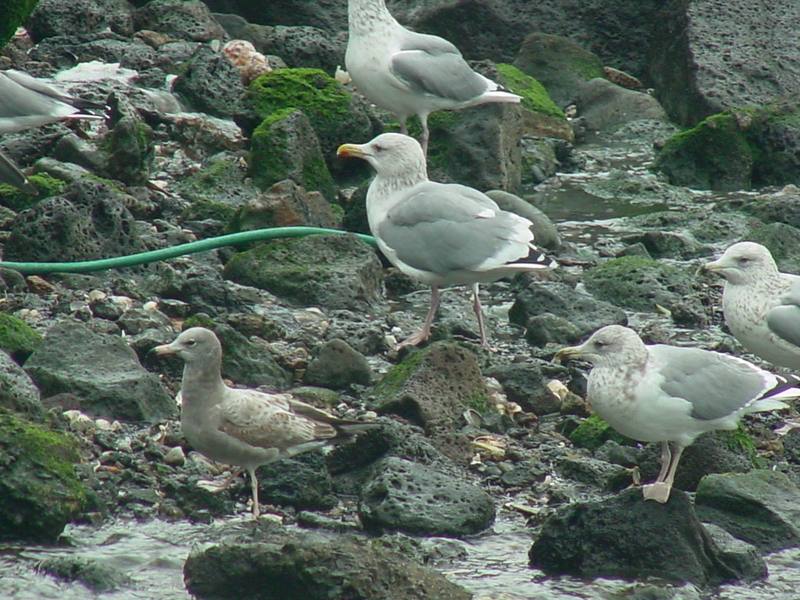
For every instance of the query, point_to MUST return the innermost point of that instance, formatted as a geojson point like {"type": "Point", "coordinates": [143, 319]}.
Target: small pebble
{"type": "Point", "coordinates": [175, 457]}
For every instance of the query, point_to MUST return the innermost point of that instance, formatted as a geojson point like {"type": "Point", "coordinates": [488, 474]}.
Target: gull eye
{"type": "Point", "coordinates": [377, 148]}
{"type": "Point", "coordinates": [742, 260]}
{"type": "Point", "coordinates": [190, 343]}
{"type": "Point", "coordinates": [600, 343]}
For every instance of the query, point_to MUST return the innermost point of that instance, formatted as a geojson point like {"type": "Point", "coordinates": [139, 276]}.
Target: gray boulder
{"type": "Point", "coordinates": [544, 231]}
{"type": "Point", "coordinates": [418, 499]}
{"type": "Point", "coordinates": [605, 106]}
{"type": "Point", "coordinates": [211, 83]}
{"type": "Point", "coordinates": [184, 20]}
{"type": "Point", "coordinates": [759, 507]}
{"type": "Point", "coordinates": [17, 391]}
{"type": "Point", "coordinates": [56, 18]}
{"type": "Point", "coordinates": [285, 204]}
{"type": "Point", "coordinates": [302, 482]}
{"type": "Point", "coordinates": [338, 366]}
{"type": "Point", "coordinates": [102, 371]}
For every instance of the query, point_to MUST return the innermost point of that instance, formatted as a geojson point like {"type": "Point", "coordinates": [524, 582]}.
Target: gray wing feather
{"type": "Point", "coordinates": [432, 65]}
{"type": "Point", "coordinates": [442, 228]}
{"type": "Point", "coordinates": [784, 319]}
{"type": "Point", "coordinates": [716, 385]}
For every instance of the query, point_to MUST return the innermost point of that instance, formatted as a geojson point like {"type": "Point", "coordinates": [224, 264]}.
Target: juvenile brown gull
{"type": "Point", "coordinates": [245, 427]}
{"type": "Point", "coordinates": [761, 305]}
{"type": "Point", "coordinates": [669, 394]}
{"type": "Point", "coordinates": [440, 234]}
{"type": "Point", "coordinates": [410, 73]}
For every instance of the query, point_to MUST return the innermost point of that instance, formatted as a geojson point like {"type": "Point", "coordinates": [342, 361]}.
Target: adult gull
{"type": "Point", "coordinates": [669, 394]}
{"type": "Point", "coordinates": [27, 102]}
{"type": "Point", "coordinates": [244, 427]}
{"type": "Point", "coordinates": [440, 234]}
{"type": "Point", "coordinates": [761, 305]}
{"type": "Point", "coordinates": [411, 73]}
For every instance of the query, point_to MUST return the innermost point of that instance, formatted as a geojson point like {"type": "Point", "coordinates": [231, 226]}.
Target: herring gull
{"type": "Point", "coordinates": [244, 427]}
{"type": "Point", "coordinates": [669, 394]}
{"type": "Point", "coordinates": [27, 102]}
{"type": "Point", "coordinates": [411, 73]}
{"type": "Point", "coordinates": [440, 234]}
{"type": "Point", "coordinates": [761, 305]}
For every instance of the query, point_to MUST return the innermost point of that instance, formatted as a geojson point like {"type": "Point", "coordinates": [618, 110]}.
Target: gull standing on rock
{"type": "Point", "coordinates": [27, 102]}
{"type": "Point", "coordinates": [440, 234]}
{"type": "Point", "coordinates": [668, 394]}
{"type": "Point", "coordinates": [411, 73]}
{"type": "Point", "coordinates": [243, 427]}
{"type": "Point", "coordinates": [761, 305]}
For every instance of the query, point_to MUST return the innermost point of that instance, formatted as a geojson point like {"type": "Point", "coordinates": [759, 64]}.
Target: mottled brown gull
{"type": "Point", "coordinates": [440, 234]}
{"type": "Point", "coordinates": [761, 305]}
{"type": "Point", "coordinates": [244, 427]}
{"type": "Point", "coordinates": [669, 394]}
{"type": "Point", "coordinates": [411, 73]}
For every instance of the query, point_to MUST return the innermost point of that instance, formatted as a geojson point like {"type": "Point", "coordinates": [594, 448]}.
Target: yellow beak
{"type": "Point", "coordinates": [568, 353]}
{"type": "Point", "coordinates": [164, 350]}
{"type": "Point", "coordinates": [350, 150]}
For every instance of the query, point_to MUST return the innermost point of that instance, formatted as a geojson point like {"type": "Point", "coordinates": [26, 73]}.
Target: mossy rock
{"type": "Point", "coordinates": [222, 182]}
{"type": "Point", "coordinates": [13, 13]}
{"type": "Point", "coordinates": [39, 492]}
{"type": "Point", "coordinates": [17, 337]}
{"type": "Point", "coordinates": [782, 240]}
{"type": "Point", "coordinates": [330, 108]}
{"type": "Point", "coordinates": [18, 200]}
{"type": "Point", "coordinates": [639, 283]}
{"type": "Point", "coordinates": [593, 432]}
{"type": "Point", "coordinates": [203, 209]}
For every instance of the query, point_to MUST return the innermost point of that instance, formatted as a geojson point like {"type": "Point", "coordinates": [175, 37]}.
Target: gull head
{"type": "Point", "coordinates": [196, 344]}
{"type": "Point", "coordinates": [609, 346]}
{"type": "Point", "coordinates": [743, 263]}
{"type": "Point", "coordinates": [392, 155]}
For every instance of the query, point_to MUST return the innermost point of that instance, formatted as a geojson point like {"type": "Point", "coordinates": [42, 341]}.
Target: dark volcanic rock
{"type": "Point", "coordinates": [56, 17]}
{"type": "Point", "coordinates": [182, 19]}
{"type": "Point", "coordinates": [759, 507]}
{"type": "Point", "coordinates": [302, 482]}
{"type": "Point", "coordinates": [604, 106]}
{"type": "Point", "coordinates": [337, 366]}
{"type": "Point", "coordinates": [418, 499]}
{"type": "Point", "coordinates": [95, 575]}
{"type": "Point", "coordinates": [211, 83]}
{"type": "Point", "coordinates": [101, 370]}
{"type": "Point", "coordinates": [285, 204]}
{"type": "Point", "coordinates": [625, 536]}
{"type": "Point", "coordinates": [310, 565]}
{"type": "Point", "coordinates": [17, 391]}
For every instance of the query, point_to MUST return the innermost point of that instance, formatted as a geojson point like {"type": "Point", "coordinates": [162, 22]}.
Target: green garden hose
{"type": "Point", "coordinates": [232, 239]}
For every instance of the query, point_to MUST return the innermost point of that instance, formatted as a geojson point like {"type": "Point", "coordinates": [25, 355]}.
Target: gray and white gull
{"type": "Point", "coordinates": [245, 427]}
{"type": "Point", "coordinates": [761, 305]}
{"type": "Point", "coordinates": [411, 73]}
{"type": "Point", "coordinates": [440, 234]}
{"type": "Point", "coordinates": [670, 394]}
{"type": "Point", "coordinates": [27, 102]}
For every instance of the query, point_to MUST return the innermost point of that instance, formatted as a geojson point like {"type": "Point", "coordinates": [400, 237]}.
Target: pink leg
{"type": "Point", "coordinates": [423, 140]}
{"type": "Point", "coordinates": [476, 306]}
{"type": "Point", "coordinates": [660, 490]}
{"type": "Point", "coordinates": [666, 457]}
{"type": "Point", "coordinates": [254, 490]}
{"type": "Point", "coordinates": [424, 333]}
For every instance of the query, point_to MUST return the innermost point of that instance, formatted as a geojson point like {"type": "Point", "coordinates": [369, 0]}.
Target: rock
{"type": "Point", "coordinates": [102, 46]}
{"type": "Point", "coordinates": [639, 283]}
{"type": "Point", "coordinates": [417, 499]}
{"type": "Point", "coordinates": [559, 64]}
{"type": "Point", "coordinates": [105, 374]}
{"type": "Point", "coordinates": [667, 244]}
{"type": "Point", "coordinates": [131, 151]}
{"type": "Point", "coordinates": [783, 207]}
{"type": "Point", "coordinates": [17, 391]}
{"type": "Point", "coordinates": [782, 240]}
{"type": "Point", "coordinates": [89, 221]}
{"type": "Point", "coordinates": [302, 482]}
{"type": "Point", "coordinates": [54, 18]}
{"type": "Point", "coordinates": [548, 328]}
{"type": "Point", "coordinates": [545, 234]}
{"type": "Point", "coordinates": [285, 204]}
{"type": "Point", "coordinates": [604, 106]}
{"type": "Point", "coordinates": [17, 338]}
{"type": "Point", "coordinates": [312, 565]}
{"type": "Point", "coordinates": [285, 146]}
{"type": "Point", "coordinates": [338, 366]}
{"type": "Point", "coordinates": [598, 473]}
{"type": "Point", "coordinates": [217, 189]}
{"type": "Point", "coordinates": [181, 19]}
{"type": "Point", "coordinates": [333, 271]}
{"type": "Point", "coordinates": [432, 388]}
{"type": "Point", "coordinates": [299, 46]}
{"type": "Point", "coordinates": [743, 557]}
{"type": "Point", "coordinates": [12, 15]}
{"type": "Point", "coordinates": [594, 432]}
{"type": "Point", "coordinates": [625, 536]}
{"type": "Point", "coordinates": [692, 34]}
{"type": "Point", "coordinates": [210, 83]}
{"type": "Point", "coordinates": [584, 312]}
{"type": "Point", "coordinates": [766, 499]}
{"type": "Point", "coordinates": [39, 492]}
{"type": "Point", "coordinates": [525, 384]}
{"type": "Point", "coordinates": [95, 575]}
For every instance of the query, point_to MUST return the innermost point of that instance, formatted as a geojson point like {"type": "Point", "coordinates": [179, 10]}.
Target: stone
{"type": "Point", "coordinates": [55, 18]}
{"type": "Point", "coordinates": [302, 482]}
{"type": "Point", "coordinates": [417, 499]}
{"type": "Point", "coordinates": [12, 15]}
{"type": "Point", "coordinates": [338, 366]}
{"type": "Point", "coordinates": [759, 507]}
{"type": "Point", "coordinates": [605, 106]}
{"type": "Point", "coordinates": [285, 204]}
{"type": "Point", "coordinates": [17, 391]}
{"type": "Point", "coordinates": [331, 271]}
{"type": "Point", "coordinates": [217, 189]}
{"type": "Point", "coordinates": [526, 384]}
{"type": "Point", "coordinates": [432, 388]}
{"type": "Point", "coordinates": [667, 244]}
{"type": "Point", "coordinates": [210, 83]}
{"type": "Point", "coordinates": [95, 575]}
{"type": "Point", "coordinates": [181, 19]}
{"type": "Point", "coordinates": [131, 151]}
{"type": "Point", "coordinates": [284, 146]}
{"type": "Point", "coordinates": [586, 313]}
{"type": "Point", "coordinates": [548, 328]}
{"type": "Point", "coordinates": [743, 557]}
{"type": "Point", "coordinates": [105, 374]}
{"type": "Point", "coordinates": [592, 471]}
{"type": "Point", "coordinates": [17, 338]}
{"type": "Point", "coordinates": [783, 242]}
{"type": "Point", "coordinates": [558, 63]}
{"type": "Point", "coordinates": [292, 564]}
{"type": "Point", "coordinates": [39, 491]}
{"type": "Point", "coordinates": [545, 234]}
{"type": "Point", "coordinates": [299, 46]}
{"type": "Point", "coordinates": [624, 536]}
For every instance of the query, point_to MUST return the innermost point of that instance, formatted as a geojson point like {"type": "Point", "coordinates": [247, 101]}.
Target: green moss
{"type": "Point", "coordinates": [534, 95]}
{"type": "Point", "coordinates": [738, 440]}
{"type": "Point", "coordinates": [480, 402]}
{"type": "Point", "coordinates": [17, 337]}
{"type": "Point", "coordinates": [199, 320]}
{"type": "Point", "coordinates": [593, 432]}
{"type": "Point", "coordinates": [205, 208]}
{"type": "Point", "coordinates": [13, 13]}
{"type": "Point", "coordinates": [18, 200]}
{"type": "Point", "coordinates": [391, 383]}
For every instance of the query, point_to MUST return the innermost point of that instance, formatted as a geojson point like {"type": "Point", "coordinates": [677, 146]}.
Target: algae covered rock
{"type": "Point", "coordinates": [338, 366]}
{"type": "Point", "coordinates": [18, 200]}
{"type": "Point", "coordinates": [783, 242]}
{"type": "Point", "coordinates": [17, 392]}
{"type": "Point", "coordinates": [334, 271]}
{"type": "Point", "coordinates": [17, 337]}
{"type": "Point", "coordinates": [131, 151]}
{"type": "Point", "coordinates": [39, 492]}
{"type": "Point", "coordinates": [13, 14]}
